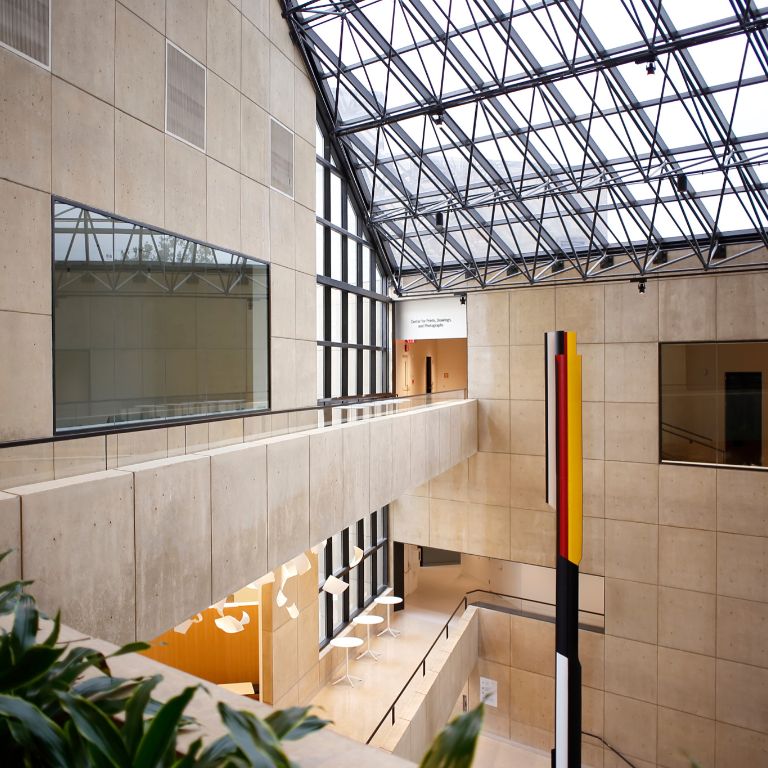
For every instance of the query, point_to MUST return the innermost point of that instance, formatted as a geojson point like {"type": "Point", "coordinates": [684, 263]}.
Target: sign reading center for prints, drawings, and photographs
{"type": "Point", "coordinates": [441, 318]}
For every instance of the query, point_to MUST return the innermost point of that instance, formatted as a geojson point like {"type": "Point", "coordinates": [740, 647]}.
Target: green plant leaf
{"type": "Point", "coordinates": [45, 734]}
{"type": "Point", "coordinates": [133, 729]}
{"type": "Point", "coordinates": [130, 648]}
{"type": "Point", "coordinates": [50, 641]}
{"type": "Point", "coordinates": [294, 723]}
{"type": "Point", "coordinates": [161, 734]}
{"type": "Point", "coordinates": [455, 745]}
{"type": "Point", "coordinates": [31, 666]}
{"type": "Point", "coordinates": [217, 752]}
{"type": "Point", "coordinates": [76, 662]}
{"type": "Point", "coordinates": [103, 687]}
{"type": "Point", "coordinates": [255, 739]}
{"type": "Point", "coordinates": [97, 729]}
{"type": "Point", "coordinates": [25, 621]}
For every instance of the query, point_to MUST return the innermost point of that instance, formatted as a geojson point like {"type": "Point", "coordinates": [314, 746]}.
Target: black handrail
{"type": "Point", "coordinates": [422, 665]}
{"type": "Point", "coordinates": [611, 747]}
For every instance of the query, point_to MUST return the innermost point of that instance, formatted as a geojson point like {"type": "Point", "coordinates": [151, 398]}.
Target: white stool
{"type": "Point", "coordinates": [346, 643]}
{"type": "Point", "coordinates": [389, 601]}
{"type": "Point", "coordinates": [368, 621]}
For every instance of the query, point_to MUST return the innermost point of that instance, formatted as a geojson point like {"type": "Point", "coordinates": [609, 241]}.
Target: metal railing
{"type": "Point", "coordinates": [421, 666]}
{"type": "Point", "coordinates": [465, 601]}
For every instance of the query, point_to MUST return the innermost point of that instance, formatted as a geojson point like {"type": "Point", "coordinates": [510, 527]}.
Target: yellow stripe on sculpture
{"type": "Point", "coordinates": [574, 451]}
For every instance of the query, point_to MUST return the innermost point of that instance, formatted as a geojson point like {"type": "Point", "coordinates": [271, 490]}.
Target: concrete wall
{"type": "Point", "coordinates": [424, 710]}
{"type": "Point", "coordinates": [518, 653]}
{"type": "Point", "coordinates": [92, 130]}
{"type": "Point", "coordinates": [132, 551]}
{"type": "Point", "coordinates": [683, 550]}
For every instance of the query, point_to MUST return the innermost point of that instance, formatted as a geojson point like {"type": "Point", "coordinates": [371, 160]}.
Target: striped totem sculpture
{"type": "Point", "coordinates": [564, 495]}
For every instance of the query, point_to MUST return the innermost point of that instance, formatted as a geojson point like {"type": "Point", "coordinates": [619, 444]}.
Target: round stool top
{"type": "Point", "coordinates": [346, 642]}
{"type": "Point", "coordinates": [368, 619]}
{"type": "Point", "coordinates": [388, 600]}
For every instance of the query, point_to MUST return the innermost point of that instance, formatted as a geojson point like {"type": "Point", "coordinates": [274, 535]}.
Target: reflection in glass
{"type": "Point", "coordinates": [152, 326]}
{"type": "Point", "coordinates": [712, 402]}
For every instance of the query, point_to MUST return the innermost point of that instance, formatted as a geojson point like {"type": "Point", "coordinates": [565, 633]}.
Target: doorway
{"type": "Point", "coordinates": [444, 360]}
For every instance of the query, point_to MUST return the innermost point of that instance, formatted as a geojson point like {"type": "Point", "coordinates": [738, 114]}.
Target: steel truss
{"type": "Point", "coordinates": [534, 140]}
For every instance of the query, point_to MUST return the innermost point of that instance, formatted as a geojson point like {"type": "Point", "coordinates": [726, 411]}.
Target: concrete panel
{"type": "Point", "coordinates": [326, 483]}
{"type": "Point", "coordinates": [152, 11]}
{"type": "Point", "coordinates": [304, 107]}
{"type": "Point", "coordinates": [581, 309]}
{"type": "Point", "coordinates": [223, 122]}
{"type": "Point", "coordinates": [83, 166]}
{"type": "Point", "coordinates": [526, 373]}
{"type": "Point", "coordinates": [92, 66]}
{"type": "Point", "coordinates": [741, 301]}
{"type": "Point", "coordinates": [687, 682]}
{"type": "Point", "coordinates": [10, 537]}
{"type": "Point", "coordinates": [79, 457]}
{"type": "Point", "coordinates": [687, 620]}
{"type": "Point", "coordinates": [305, 230]}
{"type": "Point", "coordinates": [433, 443]}
{"type": "Point", "coordinates": [381, 462]}
{"type": "Point", "coordinates": [356, 462]}
{"type": "Point", "coordinates": [742, 566]}
{"type": "Point", "coordinates": [488, 372]}
{"type": "Point", "coordinates": [282, 305]}
{"type": "Point", "coordinates": [742, 695]}
{"type": "Point", "coordinates": [306, 375]}
{"type": "Point", "coordinates": [687, 558]}
{"type": "Point", "coordinates": [631, 726]}
{"type": "Point", "coordinates": [139, 69]}
{"type": "Point", "coordinates": [468, 429]}
{"type": "Point", "coordinates": [26, 396]}
{"type": "Point", "coordinates": [631, 610]}
{"type": "Point", "coordinates": [139, 170]}
{"type": "Point", "coordinates": [687, 496]}
{"type": "Point", "coordinates": [65, 522]}
{"type": "Point", "coordinates": [224, 39]}
{"type": "Point", "coordinates": [685, 309]}
{"type": "Point", "coordinates": [288, 498]}
{"type": "Point", "coordinates": [409, 519]}
{"type": "Point", "coordinates": [146, 445]}
{"type": "Point", "coordinates": [527, 427]}
{"type": "Point", "coordinates": [186, 25]}
{"type": "Point", "coordinates": [281, 229]}
{"type": "Point", "coordinates": [742, 626]}
{"type": "Point", "coordinates": [223, 206]}
{"type": "Point", "coordinates": [281, 88]}
{"type": "Point", "coordinates": [493, 425]}
{"type": "Point", "coordinates": [631, 432]}
{"type": "Point", "coordinates": [238, 516]}
{"type": "Point", "coordinates": [304, 170]}
{"type": "Point", "coordinates": [488, 319]}
{"type": "Point", "coordinates": [306, 315]}
{"type": "Point", "coordinates": [255, 76]}
{"type": "Point", "coordinates": [632, 491]}
{"type": "Point", "coordinates": [401, 454]}
{"type": "Point", "coordinates": [418, 448]}
{"type": "Point", "coordinates": [631, 373]}
{"type": "Point", "coordinates": [25, 464]}
{"type": "Point", "coordinates": [25, 93]}
{"type": "Point", "coordinates": [25, 258]}
{"type": "Point", "coordinates": [254, 219]}
{"type": "Point", "coordinates": [185, 189]}
{"type": "Point", "coordinates": [173, 541]}
{"type": "Point", "coordinates": [737, 747]}
{"type": "Point", "coordinates": [685, 740]}
{"type": "Point", "coordinates": [225, 432]}
{"type": "Point", "coordinates": [742, 502]}
{"type": "Point", "coordinates": [531, 315]}
{"type": "Point", "coordinates": [254, 141]}
{"type": "Point", "coordinates": [631, 551]}
{"type": "Point", "coordinates": [533, 537]}
{"type": "Point", "coordinates": [283, 370]}
{"type": "Point", "coordinates": [631, 315]}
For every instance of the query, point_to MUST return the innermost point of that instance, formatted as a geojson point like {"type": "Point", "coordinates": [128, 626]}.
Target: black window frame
{"type": "Point", "coordinates": [353, 604]}
{"type": "Point", "coordinates": [337, 286]}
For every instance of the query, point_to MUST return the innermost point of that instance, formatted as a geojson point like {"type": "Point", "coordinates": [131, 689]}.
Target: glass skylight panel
{"type": "Point", "coordinates": [438, 139]}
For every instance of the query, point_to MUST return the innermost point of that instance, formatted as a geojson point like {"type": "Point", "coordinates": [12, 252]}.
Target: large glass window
{"type": "Point", "coordinates": [353, 310]}
{"type": "Point", "coordinates": [367, 577]}
{"type": "Point", "coordinates": [148, 325]}
{"type": "Point", "coordinates": [713, 402]}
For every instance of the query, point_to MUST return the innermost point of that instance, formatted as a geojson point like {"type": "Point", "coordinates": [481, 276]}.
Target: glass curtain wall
{"type": "Point", "coordinates": [353, 314]}
{"type": "Point", "coordinates": [151, 326]}
{"type": "Point", "coordinates": [366, 578]}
